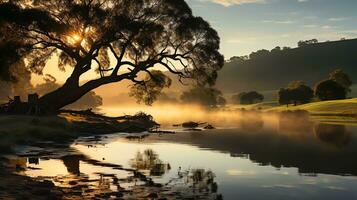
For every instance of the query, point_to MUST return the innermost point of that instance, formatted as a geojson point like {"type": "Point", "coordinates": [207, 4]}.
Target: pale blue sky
{"type": "Point", "coordinates": [249, 25]}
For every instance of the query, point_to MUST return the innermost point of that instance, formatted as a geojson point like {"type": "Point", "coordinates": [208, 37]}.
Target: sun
{"type": "Point", "coordinates": [76, 37]}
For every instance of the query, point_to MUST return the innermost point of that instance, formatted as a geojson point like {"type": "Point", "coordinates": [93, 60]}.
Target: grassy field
{"type": "Point", "coordinates": [259, 106]}
{"type": "Point", "coordinates": [333, 112]}
{"type": "Point", "coordinates": [347, 107]}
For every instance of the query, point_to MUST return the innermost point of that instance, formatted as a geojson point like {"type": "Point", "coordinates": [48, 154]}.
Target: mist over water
{"type": "Point", "coordinates": [169, 114]}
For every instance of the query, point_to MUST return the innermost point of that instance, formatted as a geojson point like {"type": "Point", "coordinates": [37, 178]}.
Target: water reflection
{"type": "Point", "coordinates": [33, 160]}
{"type": "Point", "coordinates": [196, 184]}
{"type": "Point", "coordinates": [203, 180]}
{"type": "Point", "coordinates": [253, 122]}
{"type": "Point", "coordinates": [149, 160]}
{"type": "Point", "coordinates": [296, 143]}
{"type": "Point", "coordinates": [268, 157]}
{"type": "Point", "coordinates": [72, 163]}
{"type": "Point", "coordinates": [297, 123]}
{"type": "Point", "coordinates": [336, 135]}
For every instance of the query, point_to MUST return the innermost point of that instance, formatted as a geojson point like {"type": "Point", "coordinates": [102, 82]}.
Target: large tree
{"type": "Point", "coordinates": [248, 97]}
{"type": "Point", "coordinates": [341, 78]}
{"type": "Point", "coordinates": [205, 96]}
{"type": "Point", "coordinates": [297, 92]}
{"type": "Point", "coordinates": [330, 90]}
{"type": "Point", "coordinates": [84, 34]}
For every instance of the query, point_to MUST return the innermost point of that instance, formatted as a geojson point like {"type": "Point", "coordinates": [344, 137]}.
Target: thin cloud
{"type": "Point", "coordinates": [228, 3]}
{"type": "Point", "coordinates": [327, 27]}
{"type": "Point", "coordinates": [310, 26]}
{"type": "Point", "coordinates": [278, 22]}
{"type": "Point", "coordinates": [337, 19]}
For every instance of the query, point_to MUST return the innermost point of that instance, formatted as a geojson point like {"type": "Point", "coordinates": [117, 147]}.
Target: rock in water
{"type": "Point", "coordinates": [190, 125]}
{"type": "Point", "coordinates": [209, 126]}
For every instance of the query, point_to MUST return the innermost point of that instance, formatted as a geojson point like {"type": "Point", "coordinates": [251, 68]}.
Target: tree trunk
{"type": "Point", "coordinates": [59, 98]}
{"type": "Point", "coordinates": [70, 92]}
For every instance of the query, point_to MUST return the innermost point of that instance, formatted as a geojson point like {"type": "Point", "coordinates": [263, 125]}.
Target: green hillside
{"type": "Point", "coordinates": [271, 70]}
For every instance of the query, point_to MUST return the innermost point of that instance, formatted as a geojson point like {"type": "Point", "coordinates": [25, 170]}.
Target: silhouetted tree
{"type": "Point", "coordinates": [148, 92]}
{"type": "Point", "coordinates": [341, 78]}
{"type": "Point", "coordinates": [303, 43]}
{"type": "Point", "coordinates": [259, 54]}
{"type": "Point", "coordinates": [276, 50]}
{"type": "Point", "coordinates": [284, 96]}
{"type": "Point", "coordinates": [21, 84]}
{"type": "Point", "coordinates": [138, 34]}
{"type": "Point", "coordinates": [297, 92]}
{"type": "Point", "coordinates": [204, 96]}
{"type": "Point", "coordinates": [248, 97]}
{"type": "Point", "coordinates": [89, 100]}
{"type": "Point", "coordinates": [11, 52]}
{"type": "Point", "coordinates": [330, 90]}
{"type": "Point", "coordinates": [239, 59]}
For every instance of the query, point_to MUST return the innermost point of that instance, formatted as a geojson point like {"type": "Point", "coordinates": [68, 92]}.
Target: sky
{"type": "Point", "coordinates": [249, 25]}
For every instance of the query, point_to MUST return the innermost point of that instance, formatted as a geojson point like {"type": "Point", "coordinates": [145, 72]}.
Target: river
{"type": "Point", "coordinates": [247, 156]}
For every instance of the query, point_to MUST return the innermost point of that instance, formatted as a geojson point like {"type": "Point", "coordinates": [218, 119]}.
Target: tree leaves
{"type": "Point", "coordinates": [149, 89]}
{"type": "Point", "coordinates": [65, 60]}
{"type": "Point", "coordinates": [141, 34]}
{"type": "Point", "coordinates": [37, 59]}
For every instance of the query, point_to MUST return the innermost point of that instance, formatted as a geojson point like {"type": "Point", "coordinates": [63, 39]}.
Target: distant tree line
{"type": "Point", "coordinates": [336, 87]}
{"type": "Point", "coordinates": [303, 43]}
{"type": "Point", "coordinates": [264, 52]}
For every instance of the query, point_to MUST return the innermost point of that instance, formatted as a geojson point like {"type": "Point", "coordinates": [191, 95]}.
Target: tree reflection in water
{"type": "Point", "coordinates": [295, 123]}
{"type": "Point", "coordinates": [149, 160]}
{"type": "Point", "coordinates": [196, 183]}
{"type": "Point", "coordinates": [335, 135]}
{"type": "Point", "coordinates": [72, 163]}
{"type": "Point", "coordinates": [203, 180]}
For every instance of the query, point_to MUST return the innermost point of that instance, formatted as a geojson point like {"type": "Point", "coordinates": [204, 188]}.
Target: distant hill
{"type": "Point", "coordinates": [271, 70]}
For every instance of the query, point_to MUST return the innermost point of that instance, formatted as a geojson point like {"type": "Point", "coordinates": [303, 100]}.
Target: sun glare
{"type": "Point", "coordinates": [74, 38]}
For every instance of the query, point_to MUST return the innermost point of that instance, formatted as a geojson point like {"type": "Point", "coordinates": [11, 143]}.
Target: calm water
{"type": "Point", "coordinates": [247, 157]}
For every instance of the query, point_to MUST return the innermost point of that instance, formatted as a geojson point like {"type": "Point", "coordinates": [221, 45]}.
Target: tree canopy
{"type": "Point", "coordinates": [341, 78]}
{"type": "Point", "coordinates": [297, 92]}
{"type": "Point", "coordinates": [303, 43]}
{"type": "Point", "coordinates": [84, 34]}
{"type": "Point", "coordinates": [330, 90]}
{"type": "Point", "coordinates": [248, 97]}
{"type": "Point", "coordinates": [206, 96]}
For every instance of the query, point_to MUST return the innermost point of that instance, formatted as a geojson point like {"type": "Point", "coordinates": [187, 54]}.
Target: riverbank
{"type": "Point", "coordinates": [76, 184]}
{"type": "Point", "coordinates": [65, 127]}
{"type": "Point", "coordinates": [54, 133]}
